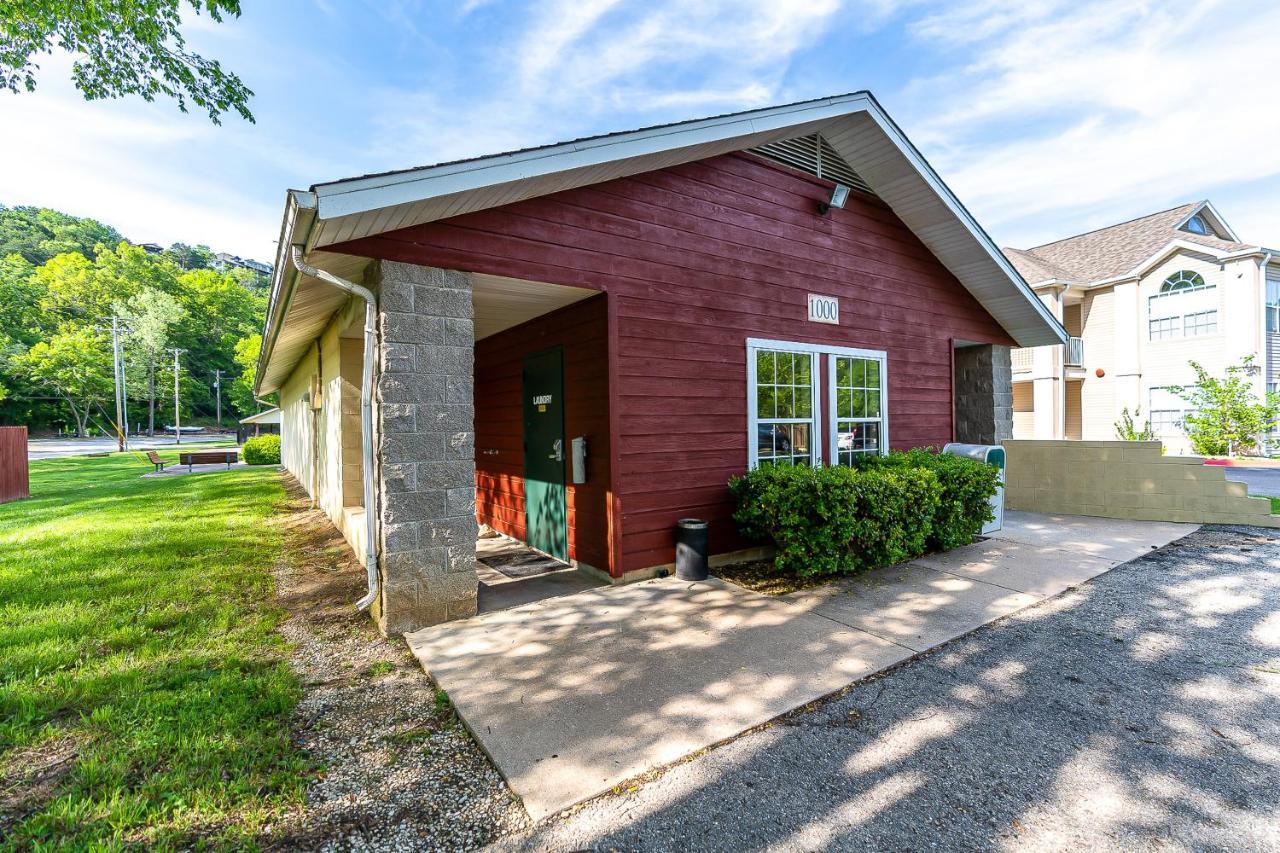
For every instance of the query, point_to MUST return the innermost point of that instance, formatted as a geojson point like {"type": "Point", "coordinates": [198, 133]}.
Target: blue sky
{"type": "Point", "coordinates": [1047, 118]}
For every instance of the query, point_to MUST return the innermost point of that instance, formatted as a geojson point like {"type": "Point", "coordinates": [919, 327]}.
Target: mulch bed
{"type": "Point", "coordinates": [761, 576]}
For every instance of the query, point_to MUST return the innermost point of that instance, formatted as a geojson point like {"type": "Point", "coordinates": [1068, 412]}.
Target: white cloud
{"type": "Point", "coordinates": [576, 63]}
{"type": "Point", "coordinates": [123, 164]}
{"type": "Point", "coordinates": [1076, 115]}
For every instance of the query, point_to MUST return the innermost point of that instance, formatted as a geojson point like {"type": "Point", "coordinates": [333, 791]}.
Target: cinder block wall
{"type": "Point", "coordinates": [983, 394]}
{"type": "Point", "coordinates": [1125, 479]}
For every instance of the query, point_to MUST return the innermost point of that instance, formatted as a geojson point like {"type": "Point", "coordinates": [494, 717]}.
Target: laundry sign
{"type": "Point", "coordinates": [542, 401]}
{"type": "Point", "coordinates": [824, 309]}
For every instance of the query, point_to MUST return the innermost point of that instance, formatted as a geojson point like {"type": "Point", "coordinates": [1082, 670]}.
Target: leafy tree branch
{"type": "Point", "coordinates": [121, 47]}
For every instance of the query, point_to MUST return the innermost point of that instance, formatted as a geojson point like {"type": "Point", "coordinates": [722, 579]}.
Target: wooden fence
{"type": "Point", "coordinates": [14, 480]}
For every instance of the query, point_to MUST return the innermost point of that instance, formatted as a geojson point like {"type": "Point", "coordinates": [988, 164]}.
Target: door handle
{"type": "Point", "coordinates": [558, 447]}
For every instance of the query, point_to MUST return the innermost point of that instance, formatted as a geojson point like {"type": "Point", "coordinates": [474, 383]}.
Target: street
{"type": "Point", "coordinates": [52, 448]}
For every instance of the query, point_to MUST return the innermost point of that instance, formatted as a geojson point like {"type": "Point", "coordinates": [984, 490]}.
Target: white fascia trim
{"type": "Point", "coordinates": [1206, 206]}
{"type": "Point", "coordinates": [299, 217]}
{"type": "Point", "coordinates": [939, 187]}
{"type": "Point", "coordinates": [361, 195]}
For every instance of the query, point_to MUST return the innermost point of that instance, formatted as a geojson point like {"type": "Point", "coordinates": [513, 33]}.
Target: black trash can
{"type": "Point", "coordinates": [691, 549]}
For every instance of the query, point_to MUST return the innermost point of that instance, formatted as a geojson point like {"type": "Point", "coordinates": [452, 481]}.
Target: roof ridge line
{"type": "Point", "coordinates": [1113, 225]}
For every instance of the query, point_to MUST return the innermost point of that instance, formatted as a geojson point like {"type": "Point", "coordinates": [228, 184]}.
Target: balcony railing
{"type": "Point", "coordinates": [1022, 359]}
{"type": "Point", "coordinates": [1074, 354]}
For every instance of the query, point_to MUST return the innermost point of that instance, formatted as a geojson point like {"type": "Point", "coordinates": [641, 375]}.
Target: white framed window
{"type": "Point", "coordinates": [783, 395]}
{"type": "Point", "coordinates": [1200, 323]}
{"type": "Point", "coordinates": [1166, 421]}
{"type": "Point", "coordinates": [1166, 411]}
{"type": "Point", "coordinates": [786, 406]}
{"type": "Point", "coordinates": [1164, 328]}
{"type": "Point", "coordinates": [1183, 281]}
{"type": "Point", "coordinates": [856, 406]}
{"type": "Point", "coordinates": [1198, 225]}
{"type": "Point", "coordinates": [1273, 304]}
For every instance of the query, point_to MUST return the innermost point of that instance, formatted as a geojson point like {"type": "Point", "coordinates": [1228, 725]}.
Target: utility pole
{"type": "Point", "coordinates": [217, 395]}
{"type": "Point", "coordinates": [177, 414]}
{"type": "Point", "coordinates": [121, 393]}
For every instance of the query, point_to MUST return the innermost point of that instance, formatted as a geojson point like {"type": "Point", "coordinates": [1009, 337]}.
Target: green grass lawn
{"type": "Point", "coordinates": [138, 655]}
{"type": "Point", "coordinates": [1275, 506]}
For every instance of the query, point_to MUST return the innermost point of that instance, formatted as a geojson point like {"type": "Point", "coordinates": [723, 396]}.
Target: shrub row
{"type": "Point", "coordinates": [262, 450]}
{"type": "Point", "coordinates": [838, 520]}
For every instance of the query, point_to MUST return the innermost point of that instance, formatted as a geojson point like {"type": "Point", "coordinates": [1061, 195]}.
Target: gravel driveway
{"type": "Point", "coordinates": [1139, 711]}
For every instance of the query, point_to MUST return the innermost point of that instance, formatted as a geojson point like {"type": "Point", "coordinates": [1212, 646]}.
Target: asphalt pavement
{"type": "Point", "coordinates": [1261, 481]}
{"type": "Point", "coordinates": [53, 448]}
{"type": "Point", "coordinates": [1139, 711]}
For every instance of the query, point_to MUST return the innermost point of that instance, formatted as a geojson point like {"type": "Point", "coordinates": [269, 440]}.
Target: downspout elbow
{"type": "Point", "coordinates": [366, 414]}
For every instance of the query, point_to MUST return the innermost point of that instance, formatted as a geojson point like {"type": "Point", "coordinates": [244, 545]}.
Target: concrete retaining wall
{"type": "Point", "coordinates": [1125, 479]}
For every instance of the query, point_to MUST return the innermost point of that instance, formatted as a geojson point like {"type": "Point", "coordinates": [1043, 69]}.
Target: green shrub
{"type": "Point", "coordinates": [262, 450]}
{"type": "Point", "coordinates": [967, 487]}
{"type": "Point", "coordinates": [837, 520]}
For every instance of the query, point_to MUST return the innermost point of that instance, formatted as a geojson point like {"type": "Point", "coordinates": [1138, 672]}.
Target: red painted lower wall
{"type": "Point", "coordinates": [695, 259]}
{"type": "Point", "coordinates": [581, 330]}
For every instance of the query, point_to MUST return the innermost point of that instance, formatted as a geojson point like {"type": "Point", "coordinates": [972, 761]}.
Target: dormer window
{"type": "Point", "coordinates": [1198, 225]}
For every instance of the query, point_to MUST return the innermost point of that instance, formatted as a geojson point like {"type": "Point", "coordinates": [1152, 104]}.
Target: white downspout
{"type": "Point", "coordinates": [366, 413]}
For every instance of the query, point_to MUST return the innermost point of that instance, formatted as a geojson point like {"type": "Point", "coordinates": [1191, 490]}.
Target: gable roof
{"type": "Point", "coordinates": [855, 126]}
{"type": "Point", "coordinates": [1118, 250]}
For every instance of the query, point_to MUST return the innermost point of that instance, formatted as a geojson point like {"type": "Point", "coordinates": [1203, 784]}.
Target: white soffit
{"type": "Point", "coordinates": [503, 303]}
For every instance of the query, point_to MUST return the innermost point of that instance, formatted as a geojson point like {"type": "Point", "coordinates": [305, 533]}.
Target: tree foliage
{"type": "Point", "coordinates": [246, 357]}
{"type": "Point", "coordinates": [122, 47]}
{"type": "Point", "coordinates": [1127, 428]}
{"type": "Point", "coordinates": [58, 309]}
{"type": "Point", "coordinates": [38, 233]}
{"type": "Point", "coordinates": [1228, 417]}
{"type": "Point", "coordinates": [75, 365]}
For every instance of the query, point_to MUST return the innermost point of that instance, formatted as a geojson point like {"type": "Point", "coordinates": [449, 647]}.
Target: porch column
{"type": "Point", "coordinates": [427, 472]}
{"type": "Point", "coordinates": [983, 394]}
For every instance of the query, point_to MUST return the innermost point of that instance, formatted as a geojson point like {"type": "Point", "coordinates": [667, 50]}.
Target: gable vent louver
{"type": "Point", "coordinates": [814, 155]}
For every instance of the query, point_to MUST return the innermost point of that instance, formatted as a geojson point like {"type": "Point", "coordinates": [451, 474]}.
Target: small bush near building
{"type": "Point", "coordinates": [967, 487]}
{"type": "Point", "coordinates": [838, 520]}
{"type": "Point", "coordinates": [262, 450]}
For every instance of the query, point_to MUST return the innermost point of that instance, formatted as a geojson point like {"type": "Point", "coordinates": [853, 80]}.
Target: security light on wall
{"type": "Point", "coordinates": [839, 195]}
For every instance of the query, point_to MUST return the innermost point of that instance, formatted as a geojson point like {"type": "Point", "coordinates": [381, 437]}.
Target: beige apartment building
{"type": "Point", "coordinates": [1141, 300]}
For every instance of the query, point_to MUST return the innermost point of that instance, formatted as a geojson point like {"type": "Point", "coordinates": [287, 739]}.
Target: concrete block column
{"type": "Point", "coordinates": [983, 394]}
{"type": "Point", "coordinates": [426, 470]}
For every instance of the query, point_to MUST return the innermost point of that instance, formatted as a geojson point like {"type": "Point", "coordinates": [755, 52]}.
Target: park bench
{"type": "Point", "coordinates": [208, 457]}
{"type": "Point", "coordinates": [154, 459]}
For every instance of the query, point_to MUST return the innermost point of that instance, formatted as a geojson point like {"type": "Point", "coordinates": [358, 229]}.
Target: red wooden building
{"type": "Point", "coordinates": [579, 344]}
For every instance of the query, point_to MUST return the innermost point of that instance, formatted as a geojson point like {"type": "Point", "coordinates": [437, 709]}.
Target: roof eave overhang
{"type": "Point", "coordinates": [295, 227]}
{"type": "Point", "coordinates": [855, 125]}
{"type": "Point", "coordinates": [1219, 222]}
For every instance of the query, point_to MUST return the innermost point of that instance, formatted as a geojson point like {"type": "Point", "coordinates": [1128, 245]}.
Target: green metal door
{"type": "Point", "coordinates": [545, 513]}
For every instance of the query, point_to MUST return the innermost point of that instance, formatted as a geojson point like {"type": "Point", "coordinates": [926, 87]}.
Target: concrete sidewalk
{"type": "Point", "coordinates": [574, 695]}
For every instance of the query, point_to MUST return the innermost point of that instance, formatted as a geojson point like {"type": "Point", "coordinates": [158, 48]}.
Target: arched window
{"type": "Point", "coordinates": [1197, 225]}
{"type": "Point", "coordinates": [1182, 281]}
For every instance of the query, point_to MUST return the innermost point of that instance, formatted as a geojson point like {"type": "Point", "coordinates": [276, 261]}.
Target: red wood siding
{"type": "Point", "coordinates": [14, 480]}
{"type": "Point", "coordinates": [581, 330]}
{"type": "Point", "coordinates": [696, 259]}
